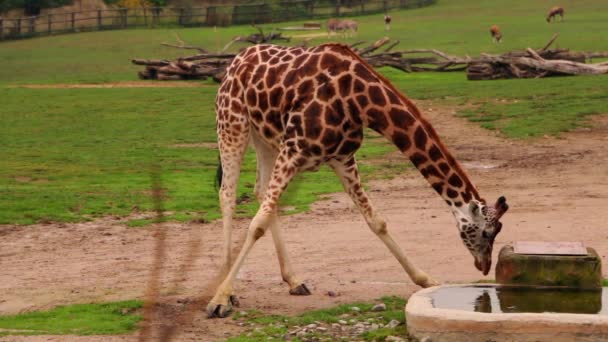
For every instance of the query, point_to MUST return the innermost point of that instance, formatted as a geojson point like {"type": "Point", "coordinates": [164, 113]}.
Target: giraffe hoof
{"type": "Point", "coordinates": [429, 282]}
{"type": "Point", "coordinates": [300, 290]}
{"type": "Point", "coordinates": [218, 310]}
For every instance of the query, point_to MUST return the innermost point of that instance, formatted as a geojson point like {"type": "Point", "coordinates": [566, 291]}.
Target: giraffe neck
{"type": "Point", "coordinates": [400, 121]}
{"type": "Point", "coordinates": [417, 139]}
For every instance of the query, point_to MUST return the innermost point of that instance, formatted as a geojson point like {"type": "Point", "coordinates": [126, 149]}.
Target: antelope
{"type": "Point", "coordinates": [332, 25]}
{"type": "Point", "coordinates": [554, 11]}
{"type": "Point", "coordinates": [495, 32]}
{"type": "Point", "coordinates": [335, 25]}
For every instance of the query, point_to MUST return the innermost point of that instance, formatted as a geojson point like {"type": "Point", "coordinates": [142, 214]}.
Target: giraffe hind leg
{"type": "Point", "coordinates": [232, 143]}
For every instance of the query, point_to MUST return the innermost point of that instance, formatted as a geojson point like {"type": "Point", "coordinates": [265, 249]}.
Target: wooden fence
{"type": "Point", "coordinates": [264, 12]}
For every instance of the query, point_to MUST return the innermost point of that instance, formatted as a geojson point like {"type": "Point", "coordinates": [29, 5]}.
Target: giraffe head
{"type": "Point", "coordinates": [479, 224]}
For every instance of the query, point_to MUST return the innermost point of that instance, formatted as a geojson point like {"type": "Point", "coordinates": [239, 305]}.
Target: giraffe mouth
{"type": "Point", "coordinates": [484, 265]}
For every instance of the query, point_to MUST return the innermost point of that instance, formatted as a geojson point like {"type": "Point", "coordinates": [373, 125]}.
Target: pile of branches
{"type": "Point", "coordinates": [205, 64]}
{"type": "Point", "coordinates": [535, 64]}
{"type": "Point", "coordinates": [202, 65]}
{"type": "Point", "coordinates": [516, 64]}
{"type": "Point", "coordinates": [197, 67]}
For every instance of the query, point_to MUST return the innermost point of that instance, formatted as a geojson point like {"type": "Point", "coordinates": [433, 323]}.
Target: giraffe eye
{"type": "Point", "coordinates": [484, 234]}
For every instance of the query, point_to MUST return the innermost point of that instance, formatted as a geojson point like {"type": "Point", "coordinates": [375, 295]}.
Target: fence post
{"type": "Point", "coordinates": [362, 3]}
{"type": "Point", "coordinates": [49, 23]}
{"type": "Point", "coordinates": [99, 19]}
{"type": "Point", "coordinates": [181, 16]}
{"type": "Point", "coordinates": [1, 29]}
{"type": "Point", "coordinates": [123, 15]}
{"type": "Point", "coordinates": [156, 15]}
{"type": "Point", "coordinates": [312, 9]}
{"type": "Point", "coordinates": [338, 2]}
{"type": "Point", "coordinates": [32, 24]}
{"type": "Point", "coordinates": [73, 21]}
{"type": "Point", "coordinates": [19, 26]}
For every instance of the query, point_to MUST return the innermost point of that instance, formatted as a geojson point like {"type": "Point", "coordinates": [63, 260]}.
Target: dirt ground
{"type": "Point", "coordinates": [557, 189]}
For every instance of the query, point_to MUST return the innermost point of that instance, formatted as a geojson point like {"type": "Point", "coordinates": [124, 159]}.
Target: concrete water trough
{"type": "Point", "coordinates": [553, 296]}
{"type": "Point", "coordinates": [480, 313]}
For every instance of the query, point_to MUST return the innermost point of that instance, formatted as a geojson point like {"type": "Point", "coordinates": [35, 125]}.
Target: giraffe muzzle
{"type": "Point", "coordinates": [483, 265]}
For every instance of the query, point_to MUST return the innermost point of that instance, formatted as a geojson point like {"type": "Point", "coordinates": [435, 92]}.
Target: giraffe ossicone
{"type": "Point", "coordinates": [301, 108]}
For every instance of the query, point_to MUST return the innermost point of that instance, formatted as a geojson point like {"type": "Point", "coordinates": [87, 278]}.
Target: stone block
{"type": "Point", "coordinates": [572, 271]}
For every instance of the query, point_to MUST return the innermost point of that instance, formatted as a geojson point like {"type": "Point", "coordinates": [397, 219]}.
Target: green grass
{"type": "Point", "coordinates": [79, 319]}
{"type": "Point", "coordinates": [265, 326]}
{"type": "Point", "coordinates": [71, 156]}
{"type": "Point", "coordinates": [76, 154]}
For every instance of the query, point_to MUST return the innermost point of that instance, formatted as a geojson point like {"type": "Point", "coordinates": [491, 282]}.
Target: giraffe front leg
{"type": "Point", "coordinates": [222, 302]}
{"type": "Point", "coordinates": [349, 175]}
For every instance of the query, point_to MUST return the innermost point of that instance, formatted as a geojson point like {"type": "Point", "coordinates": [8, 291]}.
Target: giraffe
{"type": "Point", "coordinates": [302, 108]}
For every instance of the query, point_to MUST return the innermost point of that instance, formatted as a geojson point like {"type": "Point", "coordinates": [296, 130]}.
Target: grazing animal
{"type": "Point", "coordinates": [348, 26]}
{"type": "Point", "coordinates": [332, 25]}
{"type": "Point", "coordinates": [387, 22]}
{"type": "Point", "coordinates": [496, 34]}
{"type": "Point", "coordinates": [301, 108]}
{"type": "Point", "coordinates": [345, 26]}
{"type": "Point", "coordinates": [553, 12]}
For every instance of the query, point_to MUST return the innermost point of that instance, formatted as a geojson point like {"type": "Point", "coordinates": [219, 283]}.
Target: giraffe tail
{"type": "Point", "coordinates": [218, 174]}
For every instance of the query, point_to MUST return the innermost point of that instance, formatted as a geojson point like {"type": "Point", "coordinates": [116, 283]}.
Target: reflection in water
{"type": "Point", "coordinates": [483, 302]}
{"type": "Point", "coordinates": [496, 299]}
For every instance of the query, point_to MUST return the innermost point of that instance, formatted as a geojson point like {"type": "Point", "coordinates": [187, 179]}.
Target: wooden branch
{"type": "Point", "coordinates": [209, 56]}
{"type": "Point", "coordinates": [549, 42]}
{"type": "Point", "coordinates": [228, 45]}
{"type": "Point", "coordinates": [154, 62]}
{"type": "Point", "coordinates": [392, 46]}
{"type": "Point", "coordinates": [353, 45]}
{"type": "Point", "coordinates": [182, 45]}
{"type": "Point", "coordinates": [378, 44]}
{"type": "Point", "coordinates": [457, 60]}
{"type": "Point", "coordinates": [186, 47]}
{"type": "Point", "coordinates": [534, 54]}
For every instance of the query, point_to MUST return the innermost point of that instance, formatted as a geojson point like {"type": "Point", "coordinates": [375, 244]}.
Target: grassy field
{"type": "Point", "coordinates": [76, 154]}
{"type": "Point", "coordinates": [80, 319]}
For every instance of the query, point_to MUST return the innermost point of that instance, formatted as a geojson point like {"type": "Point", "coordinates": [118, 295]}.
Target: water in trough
{"type": "Point", "coordinates": [508, 299]}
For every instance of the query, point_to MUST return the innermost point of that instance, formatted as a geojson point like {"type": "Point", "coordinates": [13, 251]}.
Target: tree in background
{"type": "Point", "coordinates": [32, 7]}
